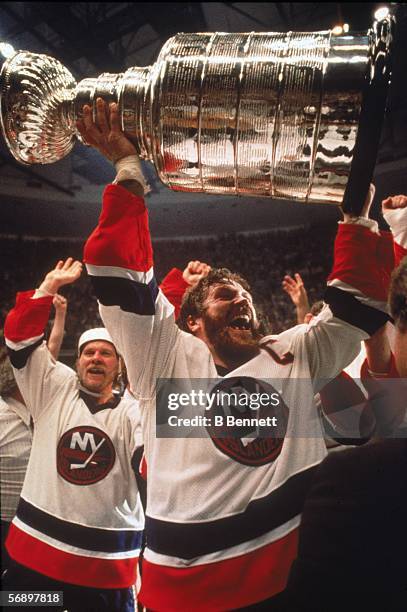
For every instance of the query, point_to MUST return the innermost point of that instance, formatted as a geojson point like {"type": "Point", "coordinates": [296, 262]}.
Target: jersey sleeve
{"type": "Point", "coordinates": [38, 376]}
{"type": "Point", "coordinates": [356, 304]}
{"type": "Point", "coordinates": [119, 259]}
{"type": "Point", "coordinates": [174, 286]}
{"type": "Point", "coordinates": [134, 424]}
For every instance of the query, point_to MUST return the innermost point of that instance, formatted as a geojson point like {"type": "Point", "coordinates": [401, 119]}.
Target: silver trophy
{"type": "Point", "coordinates": [257, 114]}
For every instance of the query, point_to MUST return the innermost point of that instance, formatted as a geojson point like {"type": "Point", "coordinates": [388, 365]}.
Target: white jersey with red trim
{"type": "Point", "coordinates": [79, 519]}
{"type": "Point", "coordinates": [222, 515]}
{"type": "Point", "coordinates": [15, 448]}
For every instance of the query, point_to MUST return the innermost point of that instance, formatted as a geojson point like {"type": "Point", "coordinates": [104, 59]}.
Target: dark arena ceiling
{"type": "Point", "coordinates": [91, 38]}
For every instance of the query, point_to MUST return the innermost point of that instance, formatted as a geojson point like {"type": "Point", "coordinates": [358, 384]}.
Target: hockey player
{"type": "Point", "coordinates": [222, 513]}
{"type": "Point", "coordinates": [16, 428]}
{"type": "Point", "coordinates": [79, 521]}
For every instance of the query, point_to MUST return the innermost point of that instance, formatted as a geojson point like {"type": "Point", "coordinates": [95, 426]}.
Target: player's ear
{"type": "Point", "coordinates": [194, 324]}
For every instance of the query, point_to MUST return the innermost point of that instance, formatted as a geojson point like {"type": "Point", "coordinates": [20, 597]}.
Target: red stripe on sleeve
{"type": "Point", "coordinates": [174, 287]}
{"type": "Point", "coordinates": [224, 585]}
{"type": "Point", "coordinates": [68, 567]}
{"type": "Point", "coordinates": [356, 261]}
{"type": "Point", "coordinates": [122, 237]}
{"type": "Point", "coordinates": [28, 318]}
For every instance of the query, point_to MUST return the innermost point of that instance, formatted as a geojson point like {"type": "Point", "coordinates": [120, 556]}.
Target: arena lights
{"type": "Point", "coordinates": [381, 13]}
{"type": "Point", "coordinates": [6, 49]}
{"type": "Point", "coordinates": [340, 29]}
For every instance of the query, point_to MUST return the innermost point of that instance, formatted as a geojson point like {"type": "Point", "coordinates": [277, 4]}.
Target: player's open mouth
{"type": "Point", "coordinates": [242, 322]}
{"type": "Point", "coordinates": [96, 371]}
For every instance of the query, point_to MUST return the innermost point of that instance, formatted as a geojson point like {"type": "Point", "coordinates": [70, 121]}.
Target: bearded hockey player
{"type": "Point", "coordinates": [222, 513]}
{"type": "Point", "coordinates": [79, 522]}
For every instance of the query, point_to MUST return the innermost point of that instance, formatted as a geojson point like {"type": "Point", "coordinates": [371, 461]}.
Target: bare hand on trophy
{"type": "Point", "coordinates": [105, 134]}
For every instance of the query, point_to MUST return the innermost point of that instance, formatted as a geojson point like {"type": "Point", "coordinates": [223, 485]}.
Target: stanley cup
{"type": "Point", "coordinates": [287, 116]}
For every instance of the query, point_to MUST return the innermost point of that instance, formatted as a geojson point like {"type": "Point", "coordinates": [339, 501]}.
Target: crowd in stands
{"type": "Point", "coordinates": [263, 258]}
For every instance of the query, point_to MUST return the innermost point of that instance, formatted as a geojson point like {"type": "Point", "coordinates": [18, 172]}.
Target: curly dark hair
{"type": "Point", "coordinates": [194, 297]}
{"type": "Point", "coordinates": [398, 296]}
{"type": "Point", "coordinates": [316, 308]}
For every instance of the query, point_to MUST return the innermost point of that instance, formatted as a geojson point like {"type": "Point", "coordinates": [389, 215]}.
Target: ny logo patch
{"type": "Point", "coordinates": [85, 455]}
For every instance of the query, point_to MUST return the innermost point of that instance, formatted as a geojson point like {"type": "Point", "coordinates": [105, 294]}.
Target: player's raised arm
{"type": "Point", "coordinates": [177, 282]}
{"type": "Point", "coordinates": [295, 289]}
{"type": "Point", "coordinates": [24, 333]}
{"type": "Point", "coordinates": [356, 298]}
{"type": "Point", "coordinates": [58, 327]}
{"type": "Point", "coordinates": [119, 259]}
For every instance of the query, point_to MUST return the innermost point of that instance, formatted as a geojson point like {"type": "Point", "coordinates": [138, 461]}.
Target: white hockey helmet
{"type": "Point", "coordinates": [97, 333]}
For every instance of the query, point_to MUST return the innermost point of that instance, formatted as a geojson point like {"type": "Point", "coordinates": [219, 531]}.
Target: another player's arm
{"type": "Point", "coordinates": [176, 282]}
{"type": "Point", "coordinates": [294, 287]}
{"type": "Point", "coordinates": [58, 327]}
{"type": "Point", "coordinates": [37, 373]}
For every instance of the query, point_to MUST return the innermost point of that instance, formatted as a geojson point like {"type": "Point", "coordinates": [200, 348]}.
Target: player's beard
{"type": "Point", "coordinates": [233, 348]}
{"type": "Point", "coordinates": [98, 385]}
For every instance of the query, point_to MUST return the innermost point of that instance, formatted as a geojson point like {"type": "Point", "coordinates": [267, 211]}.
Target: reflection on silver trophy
{"type": "Point", "coordinates": [259, 114]}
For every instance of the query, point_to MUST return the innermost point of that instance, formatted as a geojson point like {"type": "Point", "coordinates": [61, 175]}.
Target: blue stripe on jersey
{"type": "Point", "coordinates": [130, 295]}
{"type": "Point", "coordinates": [88, 538]}
{"type": "Point", "coordinates": [347, 307]}
{"type": "Point", "coordinates": [261, 516]}
{"type": "Point", "coordinates": [19, 358]}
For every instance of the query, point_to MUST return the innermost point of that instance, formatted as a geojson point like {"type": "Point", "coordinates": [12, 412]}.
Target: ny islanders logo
{"type": "Point", "coordinates": [85, 455]}
{"type": "Point", "coordinates": [248, 420]}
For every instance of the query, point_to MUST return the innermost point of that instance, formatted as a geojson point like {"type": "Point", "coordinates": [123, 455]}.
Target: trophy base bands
{"type": "Point", "coordinates": [31, 598]}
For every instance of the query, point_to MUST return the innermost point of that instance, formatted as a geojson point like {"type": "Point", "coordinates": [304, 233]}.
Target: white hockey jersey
{"type": "Point", "coordinates": [79, 519]}
{"type": "Point", "coordinates": [222, 516]}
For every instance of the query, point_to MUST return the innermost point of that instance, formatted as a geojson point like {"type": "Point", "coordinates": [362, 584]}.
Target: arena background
{"type": "Point", "coordinates": [47, 212]}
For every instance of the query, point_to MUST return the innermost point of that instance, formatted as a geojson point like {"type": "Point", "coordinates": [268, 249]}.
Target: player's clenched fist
{"type": "Point", "coordinates": [194, 271]}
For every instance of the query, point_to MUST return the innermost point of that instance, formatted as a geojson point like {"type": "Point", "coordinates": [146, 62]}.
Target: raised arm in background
{"type": "Point", "coordinates": [24, 334]}
{"type": "Point", "coordinates": [58, 327]}
{"type": "Point", "coordinates": [294, 287]}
